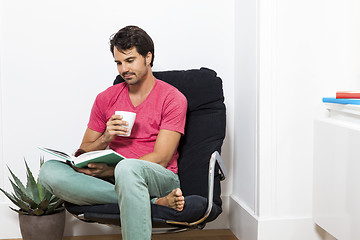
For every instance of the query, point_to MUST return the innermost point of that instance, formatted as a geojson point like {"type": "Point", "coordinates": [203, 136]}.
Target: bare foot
{"type": "Point", "coordinates": [174, 200]}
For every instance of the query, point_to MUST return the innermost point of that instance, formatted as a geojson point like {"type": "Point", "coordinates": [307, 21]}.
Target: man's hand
{"type": "Point", "coordinates": [93, 140]}
{"type": "Point", "coordinates": [99, 170]}
{"type": "Point", "coordinates": [115, 126]}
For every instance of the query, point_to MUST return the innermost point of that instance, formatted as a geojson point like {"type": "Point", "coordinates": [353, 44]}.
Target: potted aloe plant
{"type": "Point", "coordinates": [41, 214]}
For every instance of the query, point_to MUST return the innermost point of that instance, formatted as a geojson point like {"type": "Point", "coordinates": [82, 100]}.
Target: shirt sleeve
{"type": "Point", "coordinates": [97, 121]}
{"type": "Point", "coordinates": [174, 112]}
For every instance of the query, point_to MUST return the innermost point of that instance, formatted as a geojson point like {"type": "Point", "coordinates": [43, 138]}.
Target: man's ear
{"type": "Point", "coordinates": [148, 58]}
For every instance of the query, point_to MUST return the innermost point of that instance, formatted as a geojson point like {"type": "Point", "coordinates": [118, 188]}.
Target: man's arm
{"type": "Point", "coordinates": [93, 140]}
{"type": "Point", "coordinates": [166, 143]}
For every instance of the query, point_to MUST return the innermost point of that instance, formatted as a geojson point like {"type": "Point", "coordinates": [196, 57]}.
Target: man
{"type": "Point", "coordinates": [149, 174]}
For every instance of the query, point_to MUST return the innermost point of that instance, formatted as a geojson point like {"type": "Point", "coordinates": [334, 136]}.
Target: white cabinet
{"type": "Point", "coordinates": [336, 205]}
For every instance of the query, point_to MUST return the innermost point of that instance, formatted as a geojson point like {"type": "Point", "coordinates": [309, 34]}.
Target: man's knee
{"type": "Point", "coordinates": [46, 170]}
{"type": "Point", "coordinates": [49, 174]}
{"type": "Point", "coordinates": [127, 169]}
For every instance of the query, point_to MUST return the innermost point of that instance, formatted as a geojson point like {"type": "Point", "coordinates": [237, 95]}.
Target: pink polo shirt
{"type": "Point", "coordinates": [164, 108]}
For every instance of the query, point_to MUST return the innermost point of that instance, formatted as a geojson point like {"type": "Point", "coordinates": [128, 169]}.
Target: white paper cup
{"type": "Point", "coordinates": [129, 117]}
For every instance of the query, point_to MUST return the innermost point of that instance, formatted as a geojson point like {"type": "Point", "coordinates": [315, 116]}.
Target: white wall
{"type": "Point", "coordinates": [316, 53]}
{"type": "Point", "coordinates": [245, 114]}
{"type": "Point", "coordinates": [1, 151]}
{"type": "Point", "coordinates": [55, 58]}
{"type": "Point", "coordinates": [243, 198]}
{"type": "Point", "coordinates": [305, 50]}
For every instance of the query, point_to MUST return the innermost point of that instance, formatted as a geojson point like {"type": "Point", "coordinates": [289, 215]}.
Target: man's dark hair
{"type": "Point", "coordinates": [133, 36]}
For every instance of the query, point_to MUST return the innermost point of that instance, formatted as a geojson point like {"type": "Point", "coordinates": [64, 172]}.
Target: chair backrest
{"type": "Point", "coordinates": [204, 130]}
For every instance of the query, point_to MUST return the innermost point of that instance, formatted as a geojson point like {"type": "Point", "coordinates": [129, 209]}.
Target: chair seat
{"type": "Point", "coordinates": [194, 209]}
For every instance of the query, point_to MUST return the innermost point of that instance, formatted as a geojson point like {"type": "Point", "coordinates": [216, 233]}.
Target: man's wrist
{"type": "Point", "coordinates": [105, 140]}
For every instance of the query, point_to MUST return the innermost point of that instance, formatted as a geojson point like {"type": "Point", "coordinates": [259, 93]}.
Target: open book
{"type": "Point", "coordinates": [108, 156]}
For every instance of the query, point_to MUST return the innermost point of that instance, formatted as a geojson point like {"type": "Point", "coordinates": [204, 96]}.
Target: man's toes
{"type": "Point", "coordinates": [180, 207]}
{"type": "Point", "coordinates": [179, 199]}
{"type": "Point", "coordinates": [178, 192]}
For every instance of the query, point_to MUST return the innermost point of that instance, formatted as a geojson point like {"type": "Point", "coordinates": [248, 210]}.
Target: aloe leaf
{"type": "Point", "coordinates": [52, 211]}
{"type": "Point", "coordinates": [38, 212]}
{"type": "Point", "coordinates": [58, 203]}
{"type": "Point", "coordinates": [17, 181]}
{"type": "Point", "coordinates": [54, 199]}
{"type": "Point", "coordinates": [31, 185]}
{"type": "Point", "coordinates": [18, 202]}
{"type": "Point", "coordinates": [9, 196]}
{"type": "Point", "coordinates": [56, 206]}
{"type": "Point", "coordinates": [16, 189]}
{"type": "Point", "coordinates": [40, 190]}
{"type": "Point", "coordinates": [44, 205]}
{"type": "Point", "coordinates": [58, 210]}
{"type": "Point", "coordinates": [19, 211]}
{"type": "Point", "coordinates": [23, 196]}
{"type": "Point", "coordinates": [21, 204]}
{"type": "Point", "coordinates": [43, 192]}
{"type": "Point", "coordinates": [48, 195]}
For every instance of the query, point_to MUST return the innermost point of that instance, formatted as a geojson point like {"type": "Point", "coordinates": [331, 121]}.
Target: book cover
{"type": "Point", "coordinates": [107, 156]}
{"type": "Point", "coordinates": [341, 100]}
{"type": "Point", "coordinates": [347, 94]}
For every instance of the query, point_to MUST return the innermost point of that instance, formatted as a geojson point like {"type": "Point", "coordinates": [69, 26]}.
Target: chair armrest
{"type": "Point", "coordinates": [215, 158]}
{"type": "Point", "coordinates": [221, 165]}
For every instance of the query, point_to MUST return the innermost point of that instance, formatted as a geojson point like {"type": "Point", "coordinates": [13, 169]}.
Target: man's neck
{"type": "Point", "coordinates": [144, 85]}
{"type": "Point", "coordinates": [139, 92]}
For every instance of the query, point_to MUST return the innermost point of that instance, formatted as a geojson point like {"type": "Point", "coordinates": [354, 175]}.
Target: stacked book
{"type": "Point", "coordinates": [344, 97]}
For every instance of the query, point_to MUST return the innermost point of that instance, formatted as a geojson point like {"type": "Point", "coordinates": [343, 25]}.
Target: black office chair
{"type": "Point", "coordinates": [200, 165]}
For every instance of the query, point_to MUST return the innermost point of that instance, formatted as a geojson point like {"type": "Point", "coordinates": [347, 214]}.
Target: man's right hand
{"type": "Point", "coordinates": [93, 140]}
{"type": "Point", "coordinates": [114, 127]}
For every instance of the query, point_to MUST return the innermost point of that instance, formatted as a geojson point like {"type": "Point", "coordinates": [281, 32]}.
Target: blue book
{"type": "Point", "coordinates": [341, 100]}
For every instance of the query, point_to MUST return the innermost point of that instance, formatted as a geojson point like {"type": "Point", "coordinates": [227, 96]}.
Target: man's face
{"type": "Point", "coordinates": [131, 65]}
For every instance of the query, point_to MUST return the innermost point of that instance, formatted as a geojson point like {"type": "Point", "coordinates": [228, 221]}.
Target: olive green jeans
{"type": "Point", "coordinates": [136, 183]}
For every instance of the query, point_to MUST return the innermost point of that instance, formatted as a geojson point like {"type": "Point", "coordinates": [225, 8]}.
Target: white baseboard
{"type": "Point", "coordinates": [290, 228]}
{"type": "Point", "coordinates": [243, 223]}
{"type": "Point", "coordinates": [246, 226]}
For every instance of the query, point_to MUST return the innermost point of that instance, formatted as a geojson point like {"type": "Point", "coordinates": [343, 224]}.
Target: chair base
{"type": "Point", "coordinates": [109, 214]}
